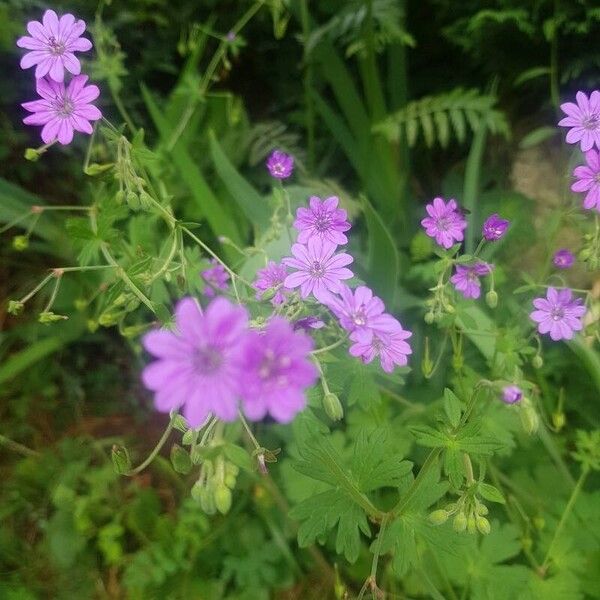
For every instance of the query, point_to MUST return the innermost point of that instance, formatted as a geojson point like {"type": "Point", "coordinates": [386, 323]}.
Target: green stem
{"type": "Point", "coordinates": [16, 447]}
{"type": "Point", "coordinates": [468, 469]}
{"type": "Point", "coordinates": [54, 293]}
{"type": "Point", "coordinates": [152, 455]}
{"type": "Point", "coordinates": [328, 348]}
{"type": "Point", "coordinates": [309, 110]}
{"type": "Point", "coordinates": [36, 289]}
{"type": "Point", "coordinates": [567, 512]}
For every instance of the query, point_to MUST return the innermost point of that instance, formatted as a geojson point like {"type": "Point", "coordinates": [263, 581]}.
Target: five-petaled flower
{"type": "Point", "coordinates": [280, 164]}
{"type": "Point", "coordinates": [215, 278]}
{"type": "Point", "coordinates": [494, 228]}
{"type": "Point", "coordinates": [563, 259]}
{"type": "Point", "coordinates": [271, 278]}
{"type": "Point", "coordinates": [324, 219]}
{"type": "Point", "coordinates": [583, 119]}
{"type": "Point", "coordinates": [62, 110]}
{"type": "Point", "coordinates": [52, 44]}
{"type": "Point", "coordinates": [319, 269]}
{"type": "Point", "coordinates": [558, 314]}
{"type": "Point", "coordinates": [445, 223]}
{"type": "Point", "coordinates": [588, 180]}
{"type": "Point", "coordinates": [466, 278]}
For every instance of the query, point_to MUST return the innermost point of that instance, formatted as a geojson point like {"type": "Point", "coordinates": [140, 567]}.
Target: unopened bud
{"type": "Point", "coordinates": [333, 406]}
{"type": "Point", "coordinates": [558, 420]}
{"type": "Point", "coordinates": [96, 169]}
{"type": "Point", "coordinates": [539, 522]}
{"type": "Point", "coordinates": [481, 509]}
{"type": "Point", "coordinates": [526, 543]}
{"type": "Point", "coordinates": [180, 459]}
{"type": "Point", "coordinates": [491, 299]}
{"type": "Point", "coordinates": [457, 362]}
{"type": "Point", "coordinates": [222, 499]}
{"type": "Point", "coordinates": [133, 200]}
{"type": "Point", "coordinates": [48, 317]}
{"type": "Point", "coordinates": [429, 318]}
{"type": "Point", "coordinates": [207, 500]}
{"type": "Point", "coordinates": [20, 243]}
{"type": "Point", "coordinates": [120, 197]}
{"type": "Point", "coordinates": [269, 293]}
{"type": "Point", "coordinates": [120, 459]}
{"type": "Point", "coordinates": [108, 319]}
{"type": "Point", "coordinates": [471, 524]}
{"type": "Point", "coordinates": [80, 304]}
{"type": "Point", "coordinates": [529, 419]}
{"type": "Point", "coordinates": [537, 362]}
{"type": "Point", "coordinates": [437, 517]}
{"type": "Point", "coordinates": [459, 523]}
{"type": "Point", "coordinates": [483, 525]}
{"type": "Point", "coordinates": [180, 424]}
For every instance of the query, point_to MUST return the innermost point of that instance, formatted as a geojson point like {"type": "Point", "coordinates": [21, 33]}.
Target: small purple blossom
{"type": "Point", "coordinates": [494, 228]}
{"type": "Point", "coordinates": [319, 269]}
{"type": "Point", "coordinates": [356, 310]}
{"type": "Point", "coordinates": [52, 44]}
{"type": "Point", "coordinates": [62, 110]}
{"type": "Point", "coordinates": [558, 313]}
{"type": "Point", "coordinates": [588, 180]}
{"type": "Point", "coordinates": [271, 277]}
{"type": "Point", "coordinates": [199, 365]}
{"type": "Point", "coordinates": [444, 223]}
{"type": "Point", "coordinates": [387, 342]}
{"type": "Point", "coordinates": [466, 278]}
{"type": "Point", "coordinates": [276, 371]}
{"type": "Point", "coordinates": [563, 259]}
{"type": "Point", "coordinates": [512, 394]}
{"type": "Point", "coordinates": [280, 164]}
{"type": "Point", "coordinates": [216, 278]}
{"type": "Point", "coordinates": [323, 219]}
{"type": "Point", "coordinates": [308, 323]}
{"type": "Point", "coordinates": [584, 120]}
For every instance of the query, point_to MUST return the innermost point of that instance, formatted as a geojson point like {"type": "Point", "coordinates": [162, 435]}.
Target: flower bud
{"type": "Point", "coordinates": [437, 517]}
{"type": "Point", "coordinates": [180, 424]}
{"type": "Point", "coordinates": [459, 523]}
{"type": "Point", "coordinates": [429, 318]}
{"type": "Point", "coordinates": [108, 319]}
{"type": "Point", "coordinates": [207, 500]}
{"type": "Point", "coordinates": [558, 420]}
{"type": "Point", "coordinates": [483, 525]}
{"type": "Point", "coordinates": [48, 317]}
{"type": "Point", "coordinates": [20, 243]}
{"type": "Point", "coordinates": [537, 362]}
{"type": "Point", "coordinates": [97, 169]}
{"type": "Point", "coordinates": [539, 522]}
{"type": "Point", "coordinates": [471, 524]}
{"type": "Point", "coordinates": [481, 509]}
{"type": "Point", "coordinates": [526, 543]}
{"type": "Point", "coordinates": [32, 154]}
{"type": "Point", "coordinates": [196, 490]}
{"type": "Point", "coordinates": [222, 497]}
{"type": "Point", "coordinates": [15, 307]}
{"type": "Point", "coordinates": [120, 459]}
{"type": "Point", "coordinates": [491, 299]}
{"type": "Point", "coordinates": [120, 197]}
{"type": "Point", "coordinates": [333, 407]}
{"type": "Point", "coordinates": [529, 418]}
{"type": "Point", "coordinates": [180, 459]}
{"type": "Point", "coordinates": [133, 200]}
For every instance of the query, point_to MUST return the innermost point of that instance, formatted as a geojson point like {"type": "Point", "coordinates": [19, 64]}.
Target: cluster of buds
{"type": "Point", "coordinates": [213, 488]}
{"type": "Point", "coordinates": [469, 515]}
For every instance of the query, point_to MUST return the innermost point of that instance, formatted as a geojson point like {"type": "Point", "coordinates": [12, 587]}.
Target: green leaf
{"type": "Point", "coordinates": [452, 407]}
{"type": "Point", "coordinates": [428, 436]}
{"type": "Point", "coordinates": [491, 493]}
{"type": "Point", "coordinates": [453, 466]}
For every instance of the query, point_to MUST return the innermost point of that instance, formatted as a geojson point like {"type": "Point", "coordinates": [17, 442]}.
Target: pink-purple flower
{"type": "Point", "coordinates": [588, 180]}
{"type": "Point", "coordinates": [466, 278]}
{"type": "Point", "coordinates": [215, 278]}
{"type": "Point", "coordinates": [52, 44]}
{"type": "Point", "coordinates": [356, 310]}
{"type": "Point", "coordinates": [388, 342]}
{"type": "Point", "coordinates": [324, 219]}
{"type": "Point", "coordinates": [494, 227]}
{"type": "Point", "coordinates": [319, 269]}
{"type": "Point", "coordinates": [445, 223]}
{"type": "Point", "coordinates": [63, 110]}
{"type": "Point", "coordinates": [199, 365]}
{"type": "Point", "coordinates": [276, 372]}
{"type": "Point", "coordinates": [563, 259]}
{"type": "Point", "coordinates": [558, 314]}
{"type": "Point", "coordinates": [280, 164]}
{"type": "Point", "coordinates": [271, 277]}
{"type": "Point", "coordinates": [511, 394]}
{"type": "Point", "coordinates": [583, 119]}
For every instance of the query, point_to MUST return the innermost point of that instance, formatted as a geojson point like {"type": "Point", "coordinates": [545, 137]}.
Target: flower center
{"type": "Point", "coordinates": [472, 277]}
{"type": "Point", "coordinates": [359, 318]}
{"type": "Point", "coordinates": [56, 47]}
{"type": "Point", "coordinates": [207, 361]}
{"type": "Point", "coordinates": [591, 122]}
{"type": "Point", "coordinates": [443, 223]}
{"type": "Point", "coordinates": [323, 223]}
{"type": "Point", "coordinates": [557, 313]}
{"type": "Point", "coordinates": [317, 269]}
{"type": "Point", "coordinates": [63, 107]}
{"type": "Point", "coordinates": [597, 177]}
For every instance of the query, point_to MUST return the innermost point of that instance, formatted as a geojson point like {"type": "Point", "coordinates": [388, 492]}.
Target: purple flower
{"type": "Point", "coordinates": [387, 342]}
{"type": "Point", "coordinates": [199, 364]}
{"type": "Point", "coordinates": [588, 180]}
{"type": "Point", "coordinates": [216, 278]}
{"type": "Point", "coordinates": [280, 164]}
{"type": "Point", "coordinates": [466, 278]}
{"type": "Point", "coordinates": [358, 310]}
{"type": "Point", "coordinates": [444, 222]}
{"type": "Point", "coordinates": [319, 269]}
{"type": "Point", "coordinates": [277, 370]}
{"type": "Point", "coordinates": [323, 219]}
{"type": "Point", "coordinates": [511, 394]}
{"type": "Point", "coordinates": [584, 120]}
{"type": "Point", "coordinates": [558, 314]}
{"type": "Point", "coordinates": [63, 110]}
{"type": "Point", "coordinates": [494, 228]}
{"type": "Point", "coordinates": [52, 44]}
{"type": "Point", "coordinates": [271, 277]}
{"type": "Point", "coordinates": [563, 259]}
{"type": "Point", "coordinates": [307, 323]}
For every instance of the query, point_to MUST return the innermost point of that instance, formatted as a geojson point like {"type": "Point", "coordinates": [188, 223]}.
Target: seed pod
{"type": "Point", "coordinates": [537, 362]}
{"type": "Point", "coordinates": [437, 517]}
{"type": "Point", "coordinates": [222, 498]}
{"type": "Point", "coordinates": [20, 243]}
{"type": "Point", "coordinates": [491, 299]}
{"type": "Point", "coordinates": [483, 525]}
{"type": "Point", "coordinates": [459, 523]}
{"type": "Point", "coordinates": [333, 407]}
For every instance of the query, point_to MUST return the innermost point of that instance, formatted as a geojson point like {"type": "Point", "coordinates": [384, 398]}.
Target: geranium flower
{"type": "Point", "coordinates": [588, 180]}
{"type": "Point", "coordinates": [583, 119]}
{"type": "Point", "coordinates": [323, 219]}
{"type": "Point", "coordinates": [356, 310]}
{"type": "Point", "coordinates": [271, 277]}
{"type": "Point", "coordinates": [52, 44]}
{"type": "Point", "coordinates": [558, 314]}
{"type": "Point", "coordinates": [494, 228]}
{"type": "Point", "coordinates": [280, 164]}
{"type": "Point", "coordinates": [445, 223]}
{"type": "Point", "coordinates": [216, 278]}
{"type": "Point", "coordinates": [511, 394]}
{"type": "Point", "coordinates": [466, 278]}
{"type": "Point", "coordinates": [563, 259]}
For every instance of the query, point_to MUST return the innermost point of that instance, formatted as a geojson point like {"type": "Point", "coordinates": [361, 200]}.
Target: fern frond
{"type": "Point", "coordinates": [439, 118]}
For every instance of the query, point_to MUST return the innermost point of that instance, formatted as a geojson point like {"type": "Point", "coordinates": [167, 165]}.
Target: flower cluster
{"type": "Point", "coordinates": [62, 108]}
{"type": "Point", "coordinates": [213, 363]}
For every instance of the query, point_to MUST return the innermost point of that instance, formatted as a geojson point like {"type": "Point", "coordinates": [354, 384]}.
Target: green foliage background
{"type": "Point", "coordinates": [385, 103]}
